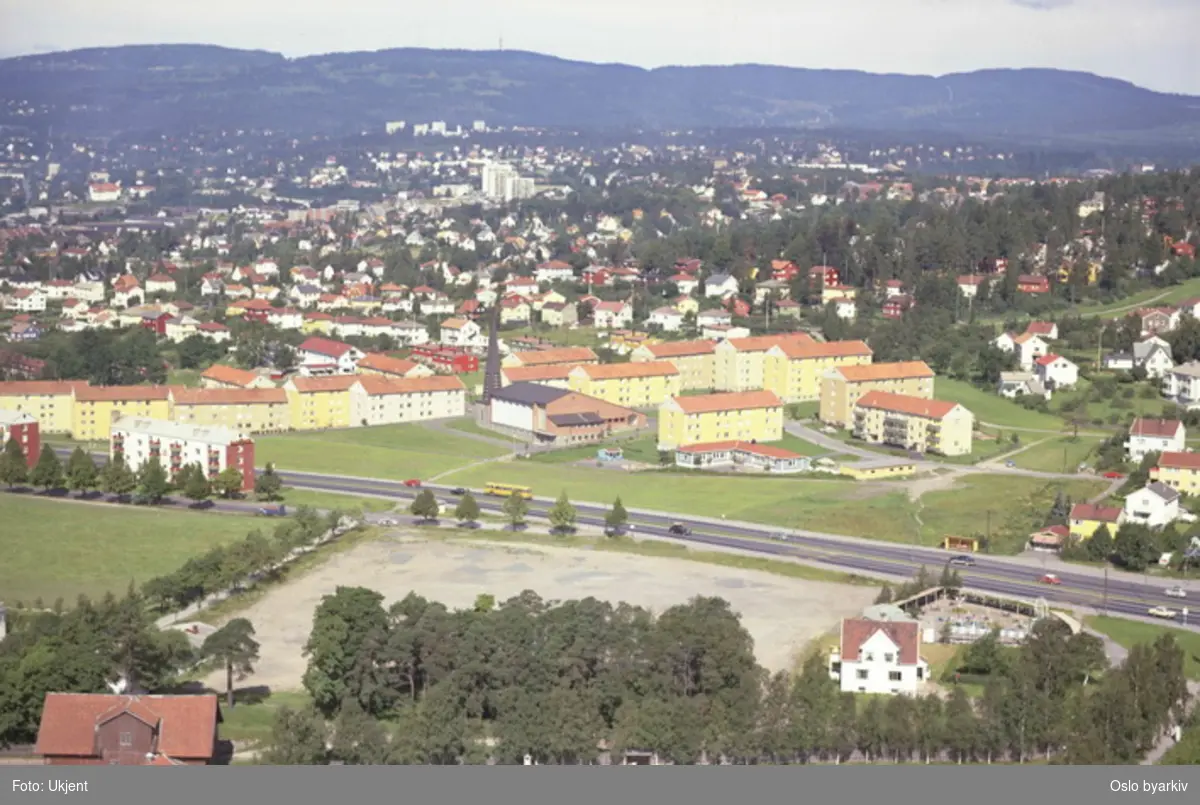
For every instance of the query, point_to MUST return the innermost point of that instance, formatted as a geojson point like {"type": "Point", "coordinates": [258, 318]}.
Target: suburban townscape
{"type": "Point", "coordinates": [463, 442]}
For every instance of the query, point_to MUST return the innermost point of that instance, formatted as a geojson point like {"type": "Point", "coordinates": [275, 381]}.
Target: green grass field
{"type": "Point", "coordinates": [1049, 455]}
{"type": "Point", "coordinates": [184, 377]}
{"type": "Point", "coordinates": [1103, 411]}
{"type": "Point", "coordinates": [992, 408]}
{"type": "Point", "coordinates": [250, 722]}
{"type": "Point", "coordinates": [388, 451]}
{"type": "Point", "coordinates": [333, 500]}
{"type": "Point", "coordinates": [55, 548]}
{"type": "Point", "coordinates": [469, 425]}
{"type": "Point", "coordinates": [1150, 296]}
{"type": "Point", "coordinates": [1129, 633]}
{"type": "Point", "coordinates": [644, 449]}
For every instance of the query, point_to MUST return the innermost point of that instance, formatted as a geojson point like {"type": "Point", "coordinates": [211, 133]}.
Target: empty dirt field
{"type": "Point", "coordinates": [782, 614]}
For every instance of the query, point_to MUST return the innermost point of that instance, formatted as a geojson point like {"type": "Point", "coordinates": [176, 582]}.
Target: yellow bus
{"type": "Point", "coordinates": [507, 490]}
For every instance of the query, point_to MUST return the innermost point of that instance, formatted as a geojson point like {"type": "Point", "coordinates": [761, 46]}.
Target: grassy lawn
{"type": "Point", "coordinates": [802, 410]}
{"type": "Point", "coordinates": [992, 408]}
{"type": "Point", "coordinates": [469, 425]}
{"type": "Point", "coordinates": [1048, 456]}
{"type": "Point", "coordinates": [388, 451]}
{"type": "Point", "coordinates": [1162, 296]}
{"type": "Point", "coordinates": [250, 722]}
{"type": "Point", "coordinates": [1099, 410]}
{"type": "Point", "coordinates": [1128, 633]}
{"type": "Point", "coordinates": [184, 377]}
{"type": "Point", "coordinates": [58, 548]}
{"type": "Point", "coordinates": [642, 448]}
{"type": "Point", "coordinates": [1018, 506]}
{"type": "Point", "coordinates": [333, 500]}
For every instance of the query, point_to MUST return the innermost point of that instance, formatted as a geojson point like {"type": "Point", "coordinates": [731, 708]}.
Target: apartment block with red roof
{"type": "Point", "coordinates": [913, 423]}
{"type": "Point", "coordinates": [95, 729]}
{"type": "Point", "coordinates": [1180, 471]}
{"type": "Point", "coordinates": [742, 416]}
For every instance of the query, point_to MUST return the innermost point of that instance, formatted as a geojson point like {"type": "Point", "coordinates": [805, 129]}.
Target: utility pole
{"type": "Point", "coordinates": [1105, 604]}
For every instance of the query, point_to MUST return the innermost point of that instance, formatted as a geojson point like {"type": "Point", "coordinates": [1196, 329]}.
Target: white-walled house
{"type": "Point", "coordinates": [1056, 372]}
{"type": "Point", "coordinates": [1182, 384]}
{"type": "Point", "coordinates": [1027, 346]}
{"type": "Point", "coordinates": [462, 333]}
{"type": "Point", "coordinates": [879, 657]}
{"type": "Point", "coordinates": [668, 319]}
{"type": "Point", "coordinates": [1155, 436]}
{"type": "Point", "coordinates": [322, 356]}
{"type": "Point", "coordinates": [1154, 505]}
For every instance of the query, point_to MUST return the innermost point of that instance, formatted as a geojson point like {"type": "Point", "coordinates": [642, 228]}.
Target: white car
{"type": "Point", "coordinates": [1163, 612]}
{"type": "Point", "coordinates": [1176, 592]}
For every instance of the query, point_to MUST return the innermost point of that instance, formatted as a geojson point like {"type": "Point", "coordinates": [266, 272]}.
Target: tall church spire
{"type": "Point", "coordinates": [491, 369]}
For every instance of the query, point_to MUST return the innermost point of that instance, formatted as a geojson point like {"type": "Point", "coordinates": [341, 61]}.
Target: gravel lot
{"type": "Point", "coordinates": [783, 614]}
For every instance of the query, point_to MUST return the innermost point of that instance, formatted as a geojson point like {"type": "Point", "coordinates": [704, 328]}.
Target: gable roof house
{"type": "Point", "coordinates": [1148, 435]}
{"type": "Point", "coordinates": [1154, 505]}
{"type": "Point", "coordinates": [879, 657]}
{"type": "Point", "coordinates": [94, 729]}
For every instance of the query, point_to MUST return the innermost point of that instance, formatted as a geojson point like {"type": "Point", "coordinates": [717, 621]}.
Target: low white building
{"type": "Point", "coordinates": [26, 300]}
{"type": "Point", "coordinates": [668, 319]}
{"type": "Point", "coordinates": [174, 444]}
{"type": "Point", "coordinates": [879, 657]}
{"type": "Point", "coordinates": [1154, 505]}
{"type": "Point", "coordinates": [1182, 384]}
{"type": "Point", "coordinates": [1028, 347]}
{"type": "Point", "coordinates": [1056, 372]}
{"type": "Point", "coordinates": [612, 315]}
{"type": "Point", "coordinates": [322, 356]}
{"type": "Point", "coordinates": [1155, 436]}
{"type": "Point", "coordinates": [1017, 384]}
{"type": "Point", "coordinates": [462, 333]}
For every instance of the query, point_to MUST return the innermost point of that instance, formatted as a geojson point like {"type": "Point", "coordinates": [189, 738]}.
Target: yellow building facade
{"type": "Point", "coordinates": [913, 423]}
{"type": "Point", "coordinates": [631, 385]}
{"type": "Point", "coordinates": [793, 370]}
{"type": "Point", "coordinates": [748, 416]}
{"type": "Point", "coordinates": [1086, 518]}
{"type": "Point", "coordinates": [50, 402]}
{"type": "Point", "coordinates": [695, 360]}
{"type": "Point", "coordinates": [1180, 471]}
{"type": "Point", "coordinates": [739, 362]}
{"type": "Point", "coordinates": [242, 410]}
{"type": "Point", "coordinates": [95, 407]}
{"type": "Point", "coordinates": [842, 386]}
{"type": "Point", "coordinates": [317, 403]}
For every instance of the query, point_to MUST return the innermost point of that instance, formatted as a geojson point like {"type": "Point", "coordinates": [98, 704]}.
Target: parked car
{"type": "Point", "coordinates": [412, 482]}
{"type": "Point", "coordinates": [387, 521]}
{"type": "Point", "coordinates": [1010, 463]}
{"type": "Point", "coordinates": [458, 490]}
{"type": "Point", "coordinates": [679, 528]}
{"type": "Point", "coordinates": [1176, 592]}
{"type": "Point", "coordinates": [267, 511]}
{"type": "Point", "coordinates": [963, 561]}
{"type": "Point", "coordinates": [781, 535]}
{"type": "Point", "coordinates": [1112, 476]}
{"type": "Point", "coordinates": [1163, 612]}
{"type": "Point", "coordinates": [1050, 578]}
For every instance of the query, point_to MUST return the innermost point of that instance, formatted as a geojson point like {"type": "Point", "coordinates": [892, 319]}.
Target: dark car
{"type": "Point", "coordinates": [679, 528]}
{"type": "Point", "coordinates": [458, 490]}
{"type": "Point", "coordinates": [963, 561]}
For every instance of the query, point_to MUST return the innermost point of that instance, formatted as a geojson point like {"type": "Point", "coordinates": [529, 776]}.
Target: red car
{"type": "Point", "coordinates": [412, 482]}
{"type": "Point", "coordinates": [1050, 578]}
{"type": "Point", "coordinates": [1112, 476]}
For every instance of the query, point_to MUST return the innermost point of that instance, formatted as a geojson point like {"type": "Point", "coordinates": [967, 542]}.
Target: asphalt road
{"type": "Point", "coordinates": [1118, 592]}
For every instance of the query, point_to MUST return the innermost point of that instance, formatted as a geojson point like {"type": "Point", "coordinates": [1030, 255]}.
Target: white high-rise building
{"type": "Point", "coordinates": [479, 125]}
{"type": "Point", "coordinates": [437, 127]}
{"type": "Point", "coordinates": [500, 180]}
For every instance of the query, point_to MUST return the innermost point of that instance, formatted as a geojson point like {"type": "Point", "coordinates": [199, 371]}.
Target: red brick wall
{"type": "Point", "coordinates": [240, 456]}
{"type": "Point", "coordinates": [29, 437]}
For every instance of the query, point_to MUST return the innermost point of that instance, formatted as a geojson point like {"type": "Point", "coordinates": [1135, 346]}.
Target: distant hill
{"type": "Point", "coordinates": [173, 87]}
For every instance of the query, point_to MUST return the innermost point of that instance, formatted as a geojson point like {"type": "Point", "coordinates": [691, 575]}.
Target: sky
{"type": "Point", "coordinates": [1148, 42]}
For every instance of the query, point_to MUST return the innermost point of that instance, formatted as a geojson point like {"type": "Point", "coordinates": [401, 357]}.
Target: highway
{"type": "Point", "coordinates": [1118, 592]}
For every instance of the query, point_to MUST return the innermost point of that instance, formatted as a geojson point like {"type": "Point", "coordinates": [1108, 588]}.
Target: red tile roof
{"type": "Point", "coordinates": [906, 404]}
{"type": "Point", "coordinates": [386, 364]}
{"type": "Point", "coordinates": [609, 371]}
{"type": "Point", "coordinates": [1179, 461]}
{"type": "Point", "coordinates": [532, 374]}
{"type": "Point", "coordinates": [229, 375]}
{"type": "Point", "coordinates": [680, 349]}
{"type": "Point", "coordinates": [375, 385]}
{"type": "Point", "coordinates": [561, 355]}
{"type": "Point", "coordinates": [240, 396]}
{"type": "Point", "coordinates": [120, 393]}
{"type": "Point", "coordinates": [905, 634]}
{"type": "Point", "coordinates": [1041, 327]}
{"type": "Point", "coordinates": [1161, 428]}
{"type": "Point", "coordinates": [325, 346]}
{"type": "Point", "coordinates": [1095, 513]}
{"type": "Point", "coordinates": [899, 370]}
{"type": "Point", "coordinates": [187, 724]}
{"type": "Point", "coordinates": [1046, 360]}
{"type": "Point", "coordinates": [728, 401]}
{"type": "Point", "coordinates": [33, 388]}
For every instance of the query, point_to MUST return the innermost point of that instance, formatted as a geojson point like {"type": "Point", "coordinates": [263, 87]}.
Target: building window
{"type": "Point", "coordinates": [126, 739]}
{"type": "Point", "coordinates": [889, 657]}
{"type": "Point", "coordinates": [893, 676]}
{"type": "Point", "coordinates": [861, 673]}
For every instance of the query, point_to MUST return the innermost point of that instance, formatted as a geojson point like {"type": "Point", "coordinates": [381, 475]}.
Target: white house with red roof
{"type": "Point", "coordinates": [879, 657]}
{"type": "Point", "coordinates": [1046, 330]}
{"type": "Point", "coordinates": [611, 315]}
{"type": "Point", "coordinates": [1027, 346]}
{"type": "Point", "coordinates": [1056, 372]}
{"type": "Point", "coordinates": [104, 192]}
{"type": "Point", "coordinates": [160, 283]}
{"type": "Point", "coordinates": [322, 356]}
{"type": "Point", "coordinates": [1148, 435]}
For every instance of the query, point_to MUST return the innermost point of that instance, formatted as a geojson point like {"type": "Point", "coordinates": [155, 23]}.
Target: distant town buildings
{"type": "Point", "coordinates": [501, 181]}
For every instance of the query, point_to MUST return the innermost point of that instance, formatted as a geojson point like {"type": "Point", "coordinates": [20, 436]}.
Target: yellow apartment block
{"type": "Point", "coordinates": [390, 400]}
{"type": "Point", "coordinates": [793, 370]}
{"type": "Point", "coordinates": [913, 423]}
{"type": "Point", "coordinates": [250, 410]}
{"type": "Point", "coordinates": [317, 403]}
{"type": "Point", "coordinates": [95, 407]}
{"type": "Point", "coordinates": [50, 402]}
{"type": "Point", "coordinates": [1180, 471]}
{"type": "Point", "coordinates": [739, 362]}
{"type": "Point", "coordinates": [631, 385]}
{"type": "Point", "coordinates": [843, 385]}
{"type": "Point", "coordinates": [695, 360]}
{"type": "Point", "coordinates": [746, 416]}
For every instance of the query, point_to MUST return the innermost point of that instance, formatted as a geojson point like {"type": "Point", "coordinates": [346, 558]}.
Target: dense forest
{"type": "Point", "coordinates": [564, 681]}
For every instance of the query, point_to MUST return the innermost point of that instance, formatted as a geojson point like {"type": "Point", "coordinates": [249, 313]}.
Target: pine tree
{"type": "Point", "coordinates": [196, 487]}
{"type": "Point", "coordinates": [228, 482]}
{"type": "Point", "coordinates": [13, 467]}
{"type": "Point", "coordinates": [48, 473]}
{"type": "Point", "coordinates": [117, 479]}
{"type": "Point", "coordinates": [268, 484]}
{"type": "Point", "coordinates": [153, 482]}
{"type": "Point", "coordinates": [425, 506]}
{"type": "Point", "coordinates": [562, 514]}
{"type": "Point", "coordinates": [467, 510]}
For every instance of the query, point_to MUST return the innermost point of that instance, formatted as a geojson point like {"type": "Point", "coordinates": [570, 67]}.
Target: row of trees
{"type": "Point", "coordinates": [562, 515]}
{"type": "Point", "coordinates": [419, 683]}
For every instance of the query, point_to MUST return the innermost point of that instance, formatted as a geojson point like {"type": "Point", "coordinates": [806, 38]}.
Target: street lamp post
{"type": "Point", "coordinates": [1105, 604]}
